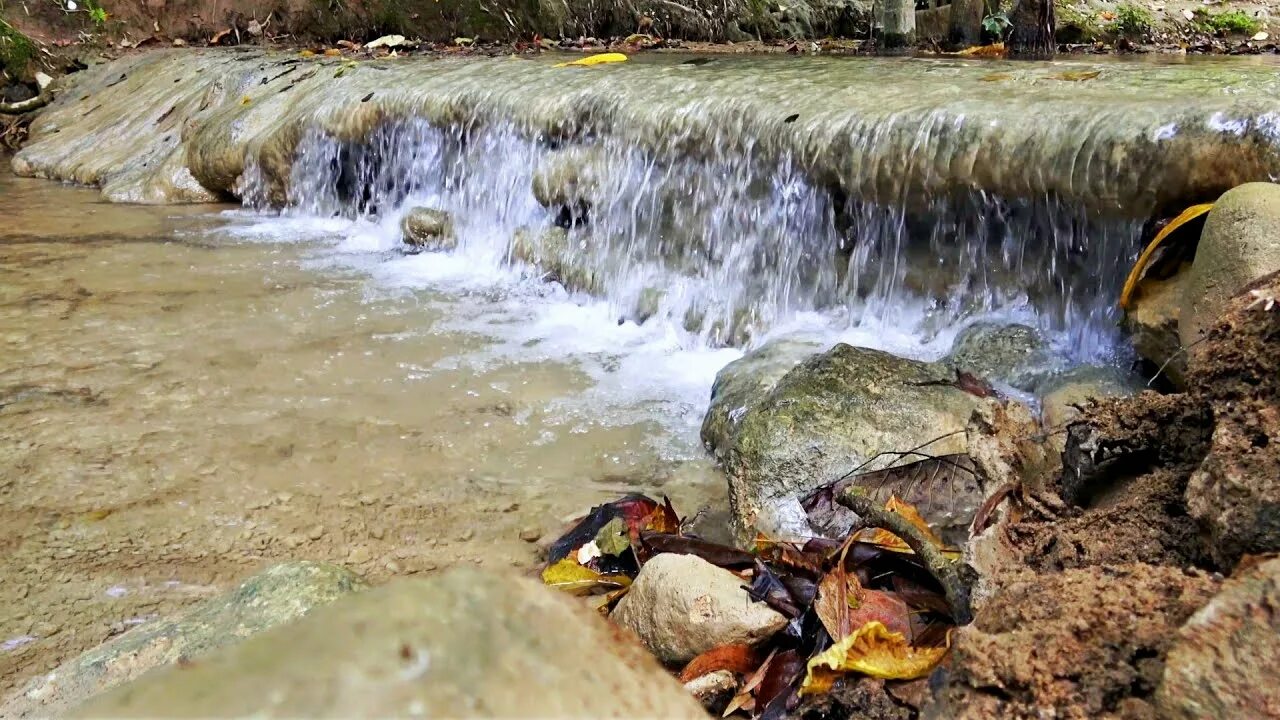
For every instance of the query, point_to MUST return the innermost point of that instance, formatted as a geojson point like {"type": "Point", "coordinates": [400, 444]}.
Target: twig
{"type": "Point", "coordinates": [943, 570]}
{"type": "Point", "coordinates": [1173, 357]}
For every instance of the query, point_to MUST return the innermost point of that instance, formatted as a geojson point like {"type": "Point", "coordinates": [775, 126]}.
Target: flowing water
{"type": "Point", "coordinates": [194, 391]}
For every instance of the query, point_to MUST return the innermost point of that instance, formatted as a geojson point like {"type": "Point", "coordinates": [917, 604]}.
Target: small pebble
{"type": "Point", "coordinates": [358, 556]}
{"type": "Point", "coordinates": [467, 535]}
{"type": "Point", "coordinates": [316, 532]}
{"type": "Point", "coordinates": [393, 567]}
{"type": "Point", "coordinates": [530, 534]}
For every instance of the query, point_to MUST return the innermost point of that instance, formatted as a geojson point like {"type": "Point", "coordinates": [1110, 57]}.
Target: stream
{"type": "Point", "coordinates": [192, 391]}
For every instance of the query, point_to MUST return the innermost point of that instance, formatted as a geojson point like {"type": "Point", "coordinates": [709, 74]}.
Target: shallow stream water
{"type": "Point", "coordinates": [189, 393]}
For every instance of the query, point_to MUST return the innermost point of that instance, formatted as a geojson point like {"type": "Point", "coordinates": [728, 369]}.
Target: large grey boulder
{"type": "Point", "coordinates": [275, 596]}
{"type": "Point", "coordinates": [461, 644]}
{"type": "Point", "coordinates": [682, 606]}
{"type": "Point", "coordinates": [1240, 243]}
{"type": "Point", "coordinates": [743, 383]}
{"type": "Point", "coordinates": [1223, 664]}
{"type": "Point", "coordinates": [827, 416]}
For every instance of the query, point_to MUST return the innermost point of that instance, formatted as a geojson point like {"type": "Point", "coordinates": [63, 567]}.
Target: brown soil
{"type": "Point", "coordinates": [1166, 490]}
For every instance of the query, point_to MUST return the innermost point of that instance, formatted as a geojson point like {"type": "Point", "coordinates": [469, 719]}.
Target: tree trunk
{"type": "Point", "coordinates": [965, 26]}
{"type": "Point", "coordinates": [1033, 28]}
{"type": "Point", "coordinates": [898, 18]}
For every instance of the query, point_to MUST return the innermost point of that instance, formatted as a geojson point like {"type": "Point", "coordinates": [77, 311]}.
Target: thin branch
{"type": "Point", "coordinates": [945, 571]}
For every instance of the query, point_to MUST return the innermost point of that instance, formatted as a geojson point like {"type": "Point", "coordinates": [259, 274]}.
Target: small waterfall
{"type": "Point", "coordinates": [727, 244]}
{"type": "Point", "coordinates": [731, 198]}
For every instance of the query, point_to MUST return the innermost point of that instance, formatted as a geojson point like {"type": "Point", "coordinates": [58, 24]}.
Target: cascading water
{"type": "Point", "coordinates": [728, 201]}
{"type": "Point", "coordinates": [729, 246]}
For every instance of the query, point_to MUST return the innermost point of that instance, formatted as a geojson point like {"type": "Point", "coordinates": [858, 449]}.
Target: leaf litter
{"type": "Point", "coordinates": [866, 606]}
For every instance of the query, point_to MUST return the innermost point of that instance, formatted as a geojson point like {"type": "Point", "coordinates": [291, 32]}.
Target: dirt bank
{"type": "Point", "coordinates": [1166, 495]}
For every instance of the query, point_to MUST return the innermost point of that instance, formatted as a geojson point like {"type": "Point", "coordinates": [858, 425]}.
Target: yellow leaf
{"type": "Point", "coordinates": [1131, 282]}
{"type": "Point", "coordinates": [1076, 75]}
{"type": "Point", "coordinates": [571, 577]}
{"type": "Point", "coordinates": [601, 59]}
{"type": "Point", "coordinates": [246, 100]}
{"type": "Point", "coordinates": [893, 543]}
{"type": "Point", "coordinates": [871, 650]}
{"type": "Point", "coordinates": [994, 50]}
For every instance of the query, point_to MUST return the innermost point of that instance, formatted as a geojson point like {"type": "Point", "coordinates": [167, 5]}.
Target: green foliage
{"type": "Point", "coordinates": [1230, 22]}
{"type": "Point", "coordinates": [997, 24]}
{"type": "Point", "coordinates": [16, 50]}
{"type": "Point", "coordinates": [1133, 22]}
{"type": "Point", "coordinates": [1075, 26]}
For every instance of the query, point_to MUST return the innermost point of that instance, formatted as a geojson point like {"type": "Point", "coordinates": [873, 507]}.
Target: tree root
{"type": "Point", "coordinates": [946, 572]}
{"type": "Point", "coordinates": [26, 106]}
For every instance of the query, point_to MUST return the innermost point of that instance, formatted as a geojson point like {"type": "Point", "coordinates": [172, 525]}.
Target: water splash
{"type": "Point", "coordinates": [726, 244]}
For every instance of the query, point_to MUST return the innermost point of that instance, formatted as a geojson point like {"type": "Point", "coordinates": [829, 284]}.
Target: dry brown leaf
{"type": "Point", "coordinates": [994, 50]}
{"type": "Point", "coordinates": [871, 650]}
{"type": "Point", "coordinates": [736, 658]}
{"type": "Point", "coordinates": [745, 699]}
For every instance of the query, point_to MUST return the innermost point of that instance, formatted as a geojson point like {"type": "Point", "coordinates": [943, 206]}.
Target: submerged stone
{"type": "Point", "coordinates": [461, 644]}
{"type": "Point", "coordinates": [428, 228]}
{"type": "Point", "coordinates": [276, 596]}
{"type": "Point", "coordinates": [1016, 355]}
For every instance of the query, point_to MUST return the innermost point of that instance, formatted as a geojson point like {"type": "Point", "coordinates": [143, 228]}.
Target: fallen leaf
{"type": "Point", "coordinates": [613, 538]}
{"type": "Point", "coordinates": [217, 38]}
{"type": "Point", "coordinates": [996, 77]}
{"type": "Point", "coordinates": [246, 100]}
{"type": "Point", "coordinates": [591, 60]}
{"type": "Point", "coordinates": [332, 52]}
{"type": "Point", "coordinates": [464, 41]}
{"type": "Point", "coordinates": [663, 519]}
{"type": "Point", "coordinates": [637, 38]}
{"type": "Point", "coordinates": [735, 658]}
{"type": "Point", "coordinates": [1076, 75]}
{"type": "Point", "coordinates": [780, 679]}
{"type": "Point", "coordinates": [993, 50]}
{"type": "Point", "coordinates": [570, 577]}
{"type": "Point", "coordinates": [745, 699]}
{"type": "Point", "coordinates": [841, 607]}
{"type": "Point", "coordinates": [929, 483]}
{"type": "Point", "coordinates": [871, 650]}
{"type": "Point", "coordinates": [714, 553]}
{"type": "Point", "coordinates": [1139, 267]}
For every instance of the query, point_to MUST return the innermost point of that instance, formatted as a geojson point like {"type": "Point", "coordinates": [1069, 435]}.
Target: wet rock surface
{"type": "Point", "coordinates": [1240, 243]}
{"type": "Point", "coordinates": [1222, 663]}
{"type": "Point", "coordinates": [743, 383]}
{"type": "Point", "coordinates": [1016, 355]}
{"type": "Point", "coordinates": [681, 606]}
{"type": "Point", "coordinates": [827, 416]}
{"type": "Point", "coordinates": [276, 596]}
{"type": "Point", "coordinates": [462, 644]}
{"type": "Point", "coordinates": [428, 229]}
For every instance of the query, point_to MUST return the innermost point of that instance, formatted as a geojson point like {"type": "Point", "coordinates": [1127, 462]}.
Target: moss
{"type": "Point", "coordinates": [1075, 26]}
{"type": "Point", "coordinates": [16, 50]}
{"type": "Point", "coordinates": [1232, 22]}
{"type": "Point", "coordinates": [1133, 22]}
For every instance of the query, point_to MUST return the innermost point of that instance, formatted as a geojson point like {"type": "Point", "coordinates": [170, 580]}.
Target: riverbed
{"type": "Point", "coordinates": [192, 392]}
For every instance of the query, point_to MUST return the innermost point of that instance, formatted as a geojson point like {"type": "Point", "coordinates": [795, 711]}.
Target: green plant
{"type": "Point", "coordinates": [16, 50]}
{"type": "Point", "coordinates": [1230, 22]}
{"type": "Point", "coordinates": [96, 13]}
{"type": "Point", "coordinates": [1133, 22]}
{"type": "Point", "coordinates": [996, 24]}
